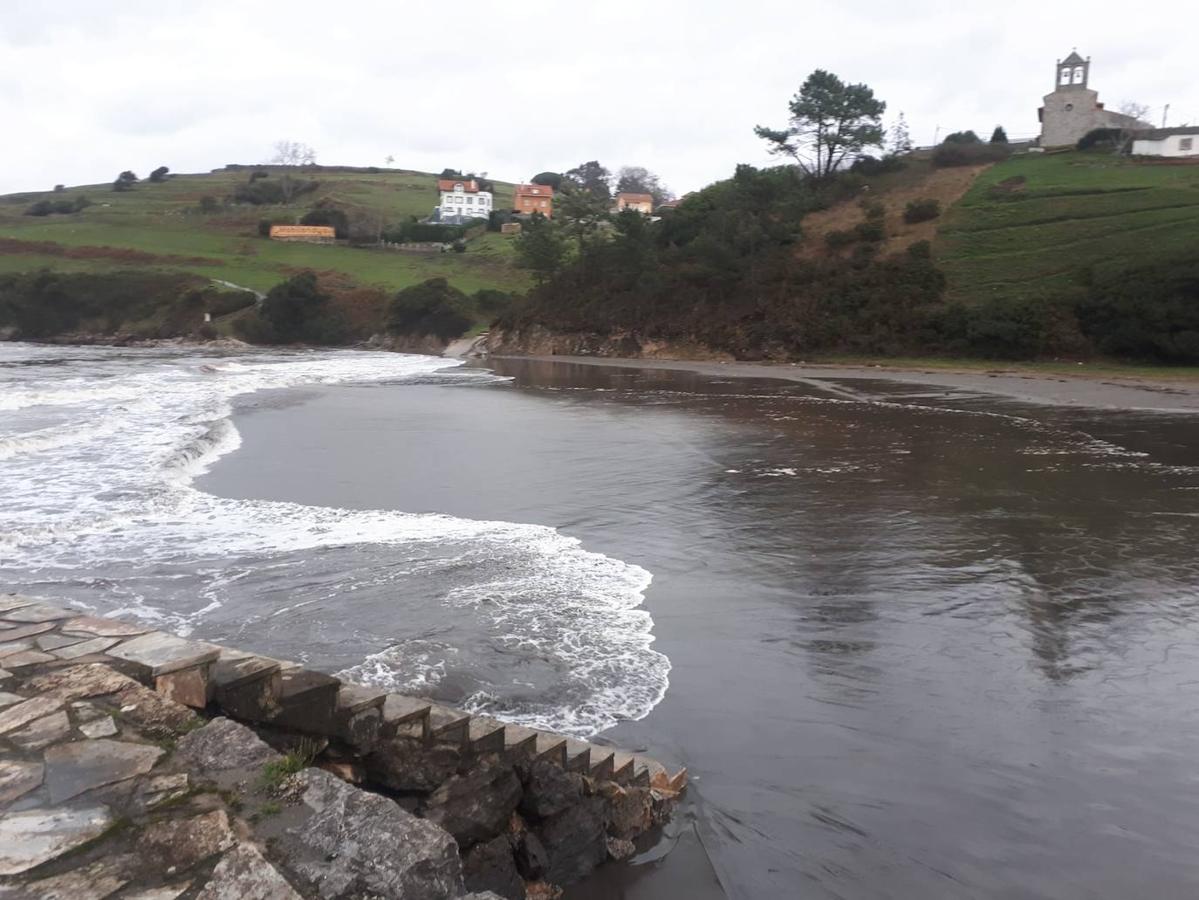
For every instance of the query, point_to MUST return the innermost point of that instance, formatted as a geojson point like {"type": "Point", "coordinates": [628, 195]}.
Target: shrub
{"type": "Point", "coordinates": [963, 137]}
{"type": "Point", "coordinates": [1146, 313]}
{"type": "Point", "coordinates": [271, 191]}
{"type": "Point", "coordinates": [329, 215]}
{"type": "Point", "coordinates": [836, 240]}
{"type": "Point", "coordinates": [223, 303]}
{"type": "Point", "coordinates": [209, 204]}
{"type": "Point", "coordinates": [254, 176]}
{"type": "Point", "coordinates": [869, 165]}
{"type": "Point", "coordinates": [492, 303]}
{"type": "Point", "coordinates": [969, 154]}
{"type": "Point", "coordinates": [924, 210]}
{"type": "Point", "coordinates": [1101, 139]}
{"type": "Point", "coordinates": [264, 227]}
{"type": "Point", "coordinates": [58, 207]}
{"type": "Point", "coordinates": [59, 188]}
{"type": "Point", "coordinates": [998, 136]}
{"type": "Point", "coordinates": [921, 250]}
{"type": "Point", "coordinates": [159, 175]}
{"type": "Point", "coordinates": [420, 232]}
{"type": "Point", "coordinates": [873, 210]}
{"type": "Point", "coordinates": [125, 181]}
{"type": "Point", "coordinates": [432, 307]}
{"type": "Point", "coordinates": [295, 310]}
{"type": "Point", "coordinates": [871, 230]}
{"type": "Point", "coordinates": [40, 208]}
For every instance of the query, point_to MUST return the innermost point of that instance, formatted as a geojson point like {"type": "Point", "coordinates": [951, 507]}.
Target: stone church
{"type": "Point", "coordinates": [1073, 109]}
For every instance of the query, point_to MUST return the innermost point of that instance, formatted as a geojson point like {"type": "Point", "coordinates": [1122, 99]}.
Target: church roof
{"type": "Point", "coordinates": [1073, 59]}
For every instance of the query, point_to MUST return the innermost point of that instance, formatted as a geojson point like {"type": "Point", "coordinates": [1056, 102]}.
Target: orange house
{"type": "Point", "coordinates": [643, 203]}
{"type": "Point", "coordinates": [531, 198]}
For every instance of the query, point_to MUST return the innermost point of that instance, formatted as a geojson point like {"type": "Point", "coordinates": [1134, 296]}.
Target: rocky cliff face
{"type": "Point", "coordinates": [537, 340]}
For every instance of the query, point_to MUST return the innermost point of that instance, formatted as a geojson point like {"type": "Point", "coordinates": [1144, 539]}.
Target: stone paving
{"type": "Point", "coordinates": [123, 774]}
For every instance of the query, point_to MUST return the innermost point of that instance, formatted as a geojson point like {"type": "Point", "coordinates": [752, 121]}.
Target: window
{"type": "Point", "coordinates": [470, 201]}
{"type": "Point", "coordinates": [458, 187]}
{"type": "Point", "coordinates": [1186, 143]}
{"type": "Point", "coordinates": [1078, 74]}
{"type": "Point", "coordinates": [544, 203]}
{"type": "Point", "coordinates": [1065, 76]}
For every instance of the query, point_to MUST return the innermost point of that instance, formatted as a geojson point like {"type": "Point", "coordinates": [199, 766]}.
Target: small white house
{"type": "Point", "coordinates": [461, 199]}
{"type": "Point", "coordinates": [1178, 142]}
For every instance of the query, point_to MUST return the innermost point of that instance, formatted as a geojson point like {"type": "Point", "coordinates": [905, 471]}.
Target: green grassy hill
{"type": "Point", "coordinates": [161, 226]}
{"type": "Point", "coordinates": [1033, 226]}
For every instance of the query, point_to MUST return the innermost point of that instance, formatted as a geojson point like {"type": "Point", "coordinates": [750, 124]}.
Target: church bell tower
{"type": "Point", "coordinates": [1072, 72]}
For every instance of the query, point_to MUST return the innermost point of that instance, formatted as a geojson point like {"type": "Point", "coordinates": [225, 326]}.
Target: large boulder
{"type": "Point", "coordinates": [476, 806]}
{"type": "Point", "coordinates": [549, 790]}
{"type": "Point", "coordinates": [628, 811]}
{"type": "Point", "coordinates": [350, 843]}
{"type": "Point", "coordinates": [489, 867]}
{"type": "Point", "coordinates": [222, 746]}
{"type": "Point", "coordinates": [531, 859]}
{"type": "Point", "coordinates": [575, 841]}
{"type": "Point", "coordinates": [404, 764]}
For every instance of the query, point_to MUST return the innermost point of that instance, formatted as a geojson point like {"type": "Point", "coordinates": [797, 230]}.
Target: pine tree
{"type": "Point", "coordinates": [900, 138]}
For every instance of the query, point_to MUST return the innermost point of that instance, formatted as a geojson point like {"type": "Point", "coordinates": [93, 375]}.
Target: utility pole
{"type": "Point", "coordinates": [1165, 114]}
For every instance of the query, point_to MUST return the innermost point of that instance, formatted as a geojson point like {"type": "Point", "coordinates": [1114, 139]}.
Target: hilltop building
{"type": "Point", "coordinates": [530, 198]}
{"type": "Point", "coordinates": [1175, 142]}
{"type": "Point", "coordinates": [461, 199]}
{"type": "Point", "coordinates": [1073, 109]}
{"type": "Point", "coordinates": [642, 203]}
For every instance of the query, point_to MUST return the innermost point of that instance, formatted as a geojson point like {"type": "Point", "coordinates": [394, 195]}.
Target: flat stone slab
{"type": "Point", "coordinates": [32, 837]}
{"type": "Point", "coordinates": [18, 778]}
{"type": "Point", "coordinates": [38, 612]}
{"type": "Point", "coordinates": [26, 631]}
{"type": "Point", "coordinates": [42, 732]}
{"type": "Point", "coordinates": [181, 843]}
{"type": "Point", "coordinates": [95, 882]}
{"type": "Point", "coordinates": [164, 893]}
{"type": "Point", "coordinates": [74, 768]}
{"type": "Point", "coordinates": [27, 658]}
{"type": "Point", "coordinates": [51, 641]}
{"type": "Point", "coordinates": [78, 682]}
{"type": "Point", "coordinates": [244, 874]}
{"type": "Point", "coordinates": [11, 601]}
{"type": "Point", "coordinates": [99, 626]}
{"type": "Point", "coordinates": [20, 714]}
{"type": "Point", "coordinates": [7, 699]}
{"type": "Point", "coordinates": [164, 653]}
{"type": "Point", "coordinates": [81, 647]}
{"type": "Point", "coordinates": [99, 728]}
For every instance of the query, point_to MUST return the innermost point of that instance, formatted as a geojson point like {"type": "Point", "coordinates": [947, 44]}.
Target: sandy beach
{"type": "Point", "coordinates": [1085, 390]}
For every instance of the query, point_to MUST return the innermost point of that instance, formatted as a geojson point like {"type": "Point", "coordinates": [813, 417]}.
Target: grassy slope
{"type": "Point", "coordinates": [1073, 212]}
{"type": "Point", "coordinates": [164, 219]}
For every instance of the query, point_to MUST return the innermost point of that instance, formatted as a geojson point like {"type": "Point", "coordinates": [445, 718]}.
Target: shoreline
{"type": "Point", "coordinates": [1085, 390]}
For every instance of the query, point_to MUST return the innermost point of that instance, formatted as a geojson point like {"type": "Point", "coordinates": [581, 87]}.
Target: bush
{"type": "Point", "coordinates": [873, 210]}
{"type": "Point", "coordinates": [421, 232]}
{"type": "Point", "coordinates": [125, 181]}
{"type": "Point", "coordinates": [433, 308]}
{"type": "Point", "coordinates": [836, 240]}
{"type": "Point", "coordinates": [962, 137]}
{"type": "Point", "coordinates": [159, 175]}
{"type": "Point", "coordinates": [869, 165]}
{"type": "Point", "coordinates": [872, 231]}
{"type": "Point", "coordinates": [273, 191]}
{"type": "Point", "coordinates": [493, 303]}
{"type": "Point", "coordinates": [256, 175]}
{"type": "Point", "coordinates": [58, 207]}
{"type": "Point", "coordinates": [1146, 313]}
{"type": "Point", "coordinates": [921, 250]}
{"type": "Point", "coordinates": [924, 210]}
{"type": "Point", "coordinates": [329, 215]}
{"type": "Point", "coordinates": [294, 311]}
{"type": "Point", "coordinates": [264, 227]}
{"type": "Point", "coordinates": [999, 136]}
{"type": "Point", "coordinates": [209, 204]}
{"type": "Point", "coordinates": [1101, 139]}
{"type": "Point", "coordinates": [222, 303]}
{"type": "Point", "coordinates": [59, 188]}
{"type": "Point", "coordinates": [969, 154]}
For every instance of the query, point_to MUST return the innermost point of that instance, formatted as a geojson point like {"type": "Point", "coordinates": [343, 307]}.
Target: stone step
{"type": "Point", "coordinates": [640, 775]}
{"type": "Point", "coordinates": [247, 686]}
{"type": "Point", "coordinates": [679, 780]}
{"type": "Point", "coordinates": [307, 701]}
{"type": "Point", "coordinates": [405, 716]}
{"type": "Point", "coordinates": [485, 735]}
{"type": "Point", "coordinates": [359, 715]}
{"type": "Point", "coordinates": [551, 747]}
{"type": "Point", "coordinates": [448, 725]}
{"type": "Point", "coordinates": [602, 760]}
{"type": "Point", "coordinates": [519, 741]}
{"type": "Point", "coordinates": [578, 756]}
{"type": "Point", "coordinates": [175, 667]}
{"type": "Point", "coordinates": [623, 765]}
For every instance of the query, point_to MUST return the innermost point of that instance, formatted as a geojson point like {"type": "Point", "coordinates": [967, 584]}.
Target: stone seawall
{"type": "Point", "coordinates": [135, 763]}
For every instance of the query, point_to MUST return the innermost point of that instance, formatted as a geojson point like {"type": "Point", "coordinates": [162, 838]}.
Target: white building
{"type": "Point", "coordinates": [461, 199]}
{"type": "Point", "coordinates": [1182, 142]}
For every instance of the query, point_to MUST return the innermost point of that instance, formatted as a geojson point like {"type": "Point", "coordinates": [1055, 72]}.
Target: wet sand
{"type": "Point", "coordinates": [1092, 391]}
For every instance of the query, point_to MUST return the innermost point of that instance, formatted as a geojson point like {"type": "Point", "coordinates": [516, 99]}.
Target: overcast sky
{"type": "Point", "coordinates": [91, 87]}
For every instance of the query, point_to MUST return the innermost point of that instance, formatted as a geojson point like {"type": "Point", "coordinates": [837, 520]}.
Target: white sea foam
{"type": "Point", "coordinates": [104, 483]}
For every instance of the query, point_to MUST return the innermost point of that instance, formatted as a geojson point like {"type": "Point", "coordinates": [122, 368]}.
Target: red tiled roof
{"type": "Point", "coordinates": [469, 185]}
{"type": "Point", "coordinates": [533, 190]}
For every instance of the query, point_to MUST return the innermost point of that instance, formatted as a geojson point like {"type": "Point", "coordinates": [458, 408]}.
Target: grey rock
{"type": "Point", "coordinates": [354, 843]}
{"type": "Point", "coordinates": [485, 895]}
{"type": "Point", "coordinates": [158, 789]}
{"type": "Point", "coordinates": [20, 714]}
{"type": "Point", "coordinates": [7, 699]}
{"type": "Point", "coordinates": [164, 893]}
{"type": "Point", "coordinates": [26, 659]}
{"type": "Point", "coordinates": [222, 746]}
{"type": "Point", "coordinates": [475, 807]}
{"type": "Point", "coordinates": [99, 728]}
{"type": "Point", "coordinates": [38, 612]}
{"type": "Point", "coordinates": [406, 764]}
{"type": "Point", "coordinates": [244, 874]}
{"type": "Point", "coordinates": [31, 837]}
{"type": "Point", "coordinates": [181, 843]}
{"type": "Point", "coordinates": [100, 626]}
{"type": "Point", "coordinates": [531, 859]}
{"type": "Point", "coordinates": [95, 882]}
{"type": "Point", "coordinates": [549, 790]}
{"type": "Point", "coordinates": [74, 768]}
{"type": "Point", "coordinates": [83, 648]}
{"type": "Point", "coordinates": [619, 849]}
{"type": "Point", "coordinates": [158, 653]}
{"type": "Point", "coordinates": [575, 841]}
{"type": "Point", "coordinates": [42, 732]}
{"type": "Point", "coordinates": [628, 812]}
{"type": "Point", "coordinates": [78, 682]}
{"type": "Point", "coordinates": [18, 778]}
{"type": "Point", "coordinates": [490, 867]}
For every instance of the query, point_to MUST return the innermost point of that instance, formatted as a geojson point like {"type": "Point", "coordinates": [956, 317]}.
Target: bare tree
{"type": "Point", "coordinates": [293, 153]}
{"type": "Point", "coordinates": [1136, 119]}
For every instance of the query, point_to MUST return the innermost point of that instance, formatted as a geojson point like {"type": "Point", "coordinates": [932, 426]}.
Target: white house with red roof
{"type": "Point", "coordinates": [461, 199]}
